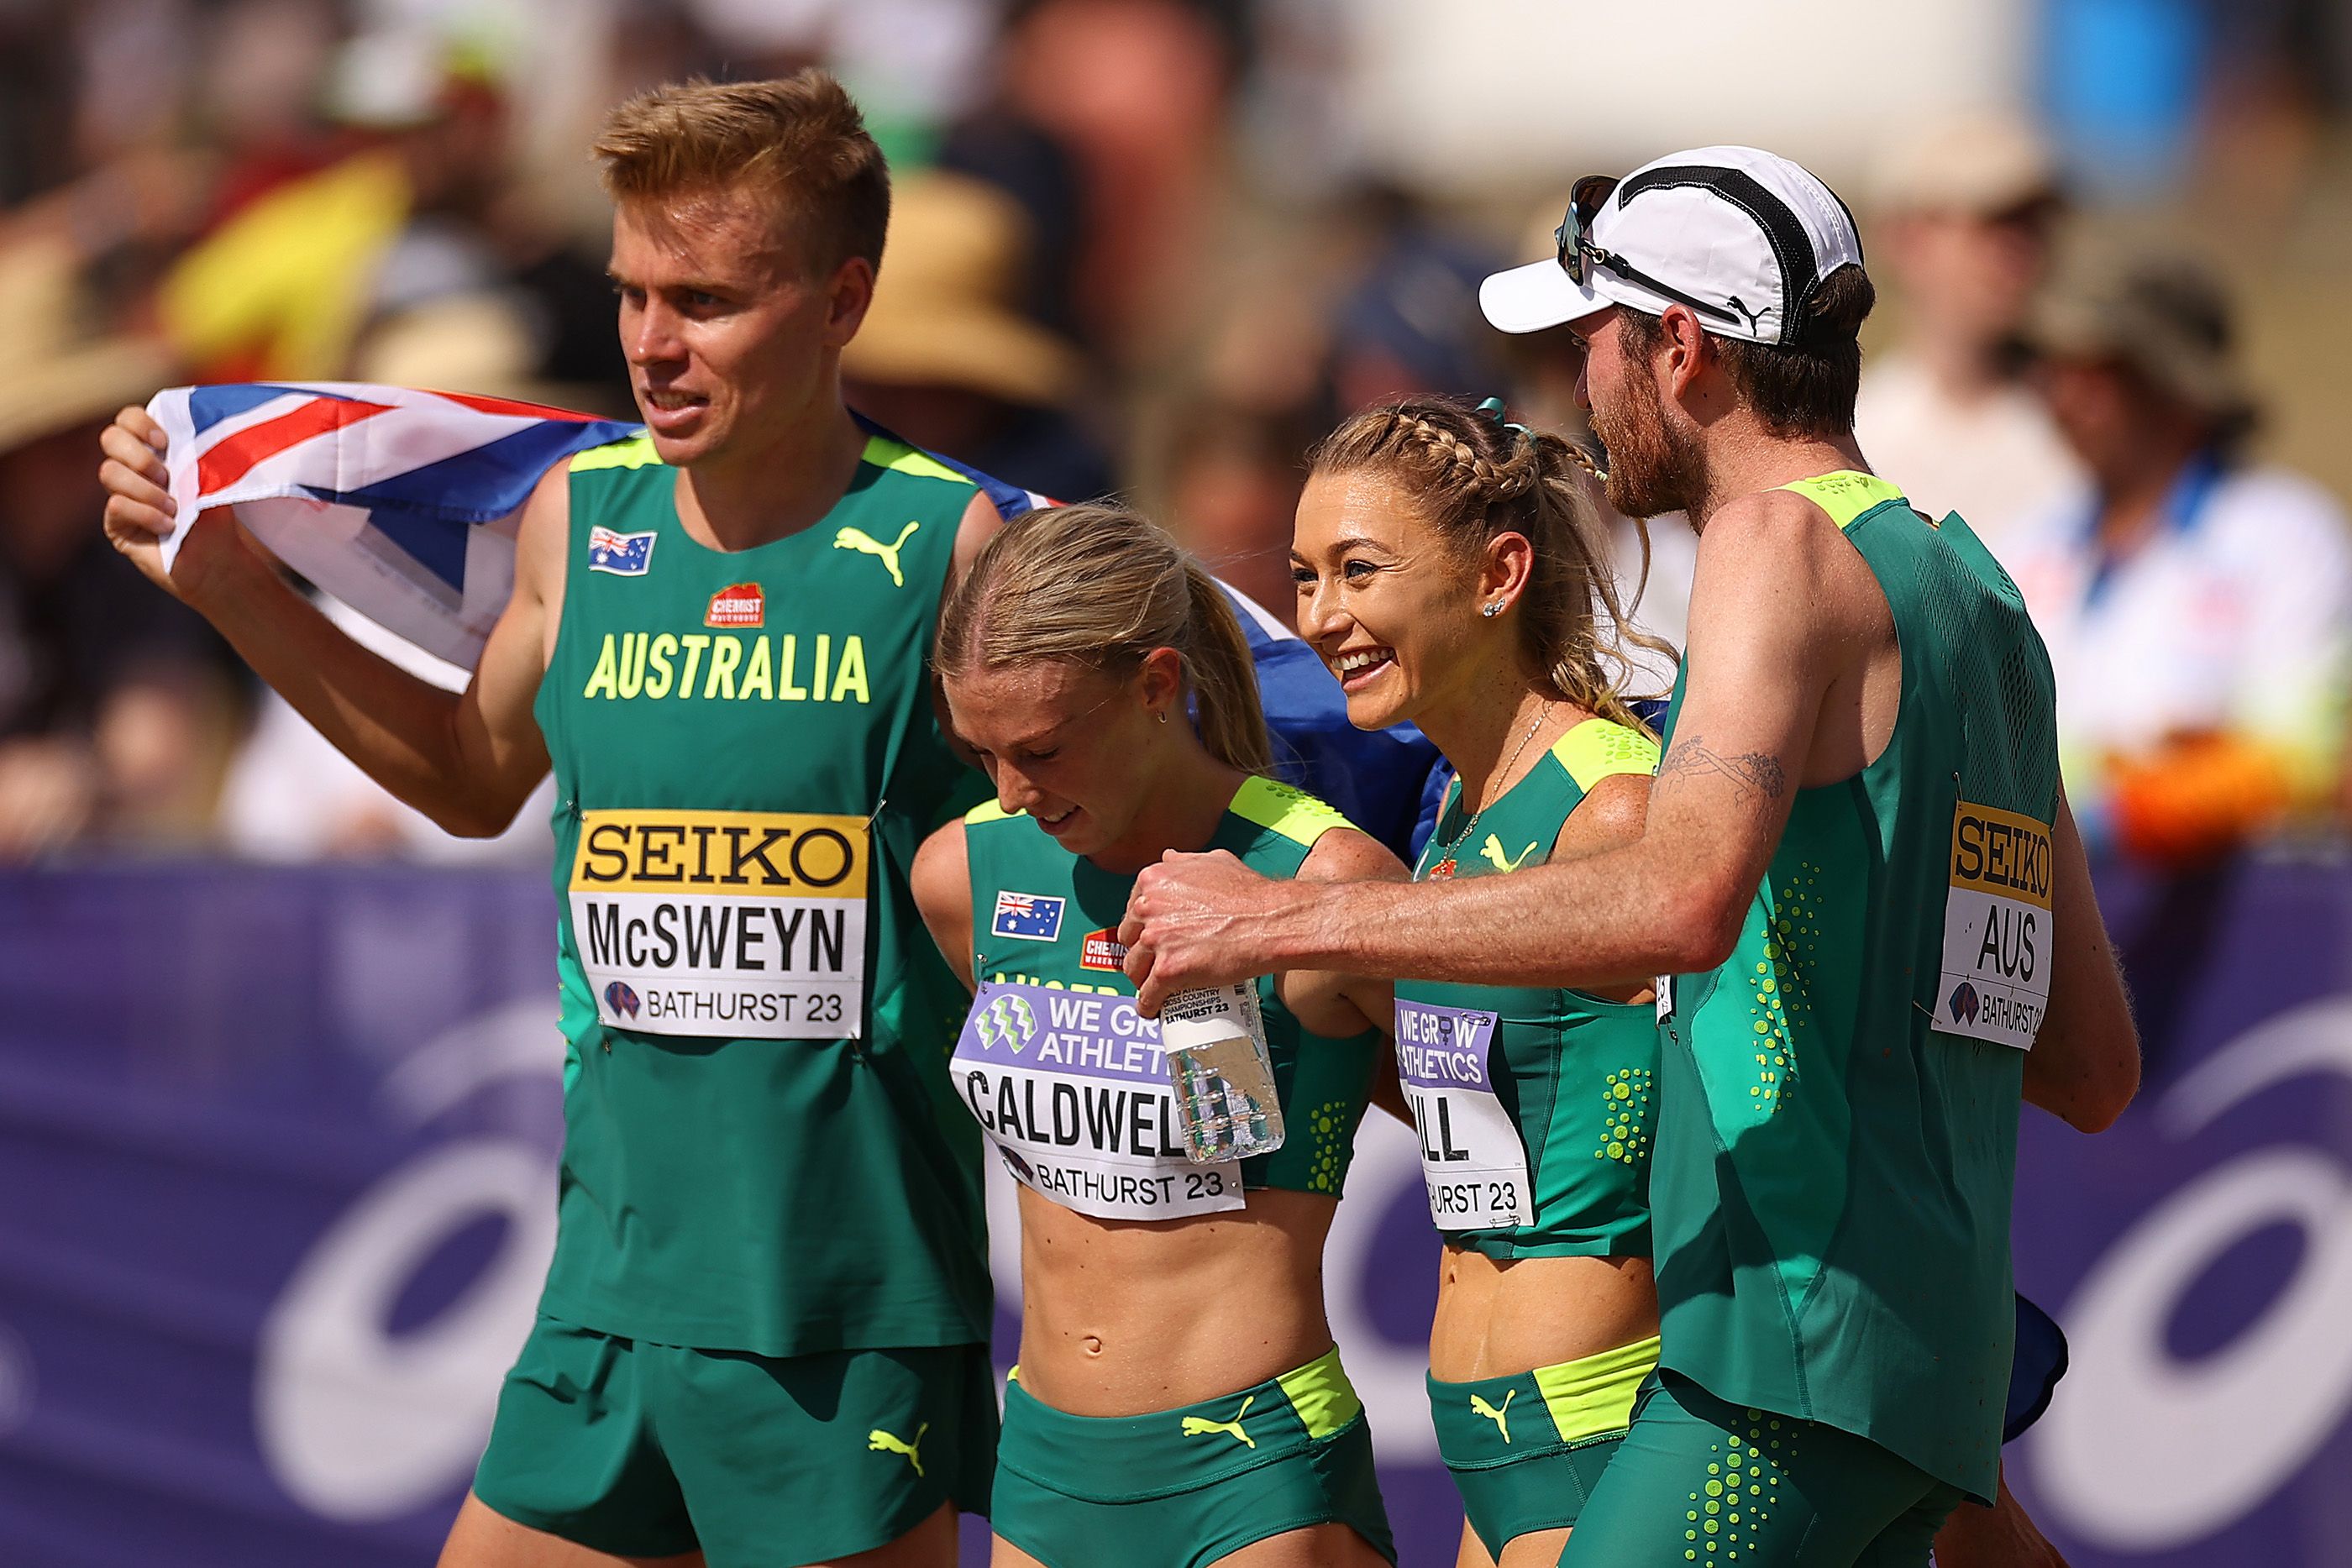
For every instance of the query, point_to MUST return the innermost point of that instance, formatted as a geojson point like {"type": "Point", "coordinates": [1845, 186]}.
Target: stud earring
{"type": "Point", "coordinates": [1491, 609]}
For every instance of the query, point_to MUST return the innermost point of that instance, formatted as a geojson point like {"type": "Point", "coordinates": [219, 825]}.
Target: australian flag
{"type": "Point", "coordinates": [622, 555]}
{"type": "Point", "coordinates": [400, 503]}
{"type": "Point", "coordinates": [1031, 916]}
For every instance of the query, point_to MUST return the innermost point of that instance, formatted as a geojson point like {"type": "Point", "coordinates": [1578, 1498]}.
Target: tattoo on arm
{"type": "Point", "coordinates": [1753, 774]}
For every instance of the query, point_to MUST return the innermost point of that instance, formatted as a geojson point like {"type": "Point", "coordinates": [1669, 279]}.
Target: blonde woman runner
{"type": "Point", "coordinates": [1449, 566]}
{"type": "Point", "coordinates": [1178, 1400]}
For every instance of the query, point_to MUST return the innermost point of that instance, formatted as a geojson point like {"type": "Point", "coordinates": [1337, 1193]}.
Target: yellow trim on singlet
{"type": "Point", "coordinates": [1595, 1394]}
{"type": "Point", "coordinates": [900, 458]}
{"type": "Point", "coordinates": [990, 812]}
{"type": "Point", "coordinates": [1601, 749]}
{"type": "Point", "coordinates": [1321, 1394]}
{"type": "Point", "coordinates": [1279, 809]}
{"type": "Point", "coordinates": [638, 452]}
{"type": "Point", "coordinates": [631, 452]}
{"type": "Point", "coordinates": [1846, 493]}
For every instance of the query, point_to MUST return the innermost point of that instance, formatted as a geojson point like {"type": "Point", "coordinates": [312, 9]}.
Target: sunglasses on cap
{"type": "Point", "coordinates": [1579, 256]}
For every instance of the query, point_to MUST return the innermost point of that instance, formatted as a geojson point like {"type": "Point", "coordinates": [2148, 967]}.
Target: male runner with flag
{"type": "Point", "coordinates": [763, 1338]}
{"type": "Point", "coordinates": [1858, 879]}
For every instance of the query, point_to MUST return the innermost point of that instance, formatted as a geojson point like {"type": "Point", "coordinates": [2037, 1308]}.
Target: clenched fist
{"type": "Point", "coordinates": [141, 513]}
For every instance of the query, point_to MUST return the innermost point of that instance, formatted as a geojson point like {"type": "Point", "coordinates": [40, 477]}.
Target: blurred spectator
{"type": "Point", "coordinates": [291, 796]}
{"type": "Point", "coordinates": [1233, 480]}
{"type": "Point", "coordinates": [1966, 213]}
{"type": "Point", "coordinates": [1410, 323]}
{"type": "Point", "coordinates": [289, 285]}
{"type": "Point", "coordinates": [116, 704]}
{"type": "Point", "coordinates": [2197, 606]}
{"type": "Point", "coordinates": [946, 358]}
{"type": "Point", "coordinates": [1135, 94]}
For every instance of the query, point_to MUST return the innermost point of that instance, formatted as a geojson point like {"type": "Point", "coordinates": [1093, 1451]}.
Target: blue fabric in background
{"type": "Point", "coordinates": [2122, 82]}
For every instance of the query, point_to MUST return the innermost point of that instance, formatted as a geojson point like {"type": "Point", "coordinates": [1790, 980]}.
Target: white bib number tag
{"type": "Point", "coordinates": [1997, 938]}
{"type": "Point", "coordinates": [1073, 1089]}
{"type": "Point", "coordinates": [1472, 1158]}
{"type": "Point", "coordinates": [747, 925]}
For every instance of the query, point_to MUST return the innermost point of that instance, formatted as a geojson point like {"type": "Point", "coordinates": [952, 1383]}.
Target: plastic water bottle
{"type": "Point", "coordinates": [1214, 1042]}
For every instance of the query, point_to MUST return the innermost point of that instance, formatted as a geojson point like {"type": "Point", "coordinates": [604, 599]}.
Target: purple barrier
{"type": "Point", "coordinates": [278, 1148]}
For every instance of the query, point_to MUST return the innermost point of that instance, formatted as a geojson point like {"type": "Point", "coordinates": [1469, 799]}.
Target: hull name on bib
{"type": "Point", "coordinates": [1472, 1158]}
{"type": "Point", "coordinates": [749, 925]}
{"type": "Point", "coordinates": [1072, 1088]}
{"type": "Point", "coordinates": [1997, 938]}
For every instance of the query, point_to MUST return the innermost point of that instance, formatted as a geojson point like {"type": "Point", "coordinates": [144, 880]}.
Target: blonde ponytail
{"type": "Point", "coordinates": [1102, 586]}
{"type": "Point", "coordinates": [1225, 677]}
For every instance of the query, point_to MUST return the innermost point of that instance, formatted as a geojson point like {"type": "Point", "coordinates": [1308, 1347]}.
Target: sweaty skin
{"type": "Point", "coordinates": [1395, 613]}
{"type": "Point", "coordinates": [1793, 681]}
{"type": "Point", "coordinates": [1121, 1317]}
{"type": "Point", "coordinates": [734, 355]}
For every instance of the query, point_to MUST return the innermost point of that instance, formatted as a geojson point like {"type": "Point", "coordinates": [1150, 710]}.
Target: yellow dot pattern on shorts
{"type": "Point", "coordinates": [1726, 1516]}
{"type": "Point", "coordinates": [1779, 989]}
{"type": "Point", "coordinates": [1334, 1133]}
{"type": "Point", "coordinates": [1625, 1118]}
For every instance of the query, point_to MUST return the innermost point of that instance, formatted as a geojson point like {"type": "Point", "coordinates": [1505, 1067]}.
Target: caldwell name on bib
{"type": "Point", "coordinates": [750, 924]}
{"type": "Point", "coordinates": [1073, 1087]}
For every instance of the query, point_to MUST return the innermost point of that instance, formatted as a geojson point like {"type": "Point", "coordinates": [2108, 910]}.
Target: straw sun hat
{"type": "Point", "coordinates": [944, 311]}
{"type": "Point", "coordinates": [62, 377]}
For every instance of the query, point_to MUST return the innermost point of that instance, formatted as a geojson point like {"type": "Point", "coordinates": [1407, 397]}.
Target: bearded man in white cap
{"type": "Point", "coordinates": [1858, 883]}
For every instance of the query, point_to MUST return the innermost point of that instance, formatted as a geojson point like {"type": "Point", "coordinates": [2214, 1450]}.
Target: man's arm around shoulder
{"type": "Point", "coordinates": [1782, 613]}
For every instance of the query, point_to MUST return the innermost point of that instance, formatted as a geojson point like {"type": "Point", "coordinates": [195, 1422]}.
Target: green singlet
{"type": "Point", "coordinates": [1068, 1080]}
{"type": "Point", "coordinates": [761, 1150]}
{"type": "Point", "coordinates": [1534, 1105]}
{"type": "Point", "coordinates": [1837, 1132]}
{"type": "Point", "coordinates": [1061, 1072]}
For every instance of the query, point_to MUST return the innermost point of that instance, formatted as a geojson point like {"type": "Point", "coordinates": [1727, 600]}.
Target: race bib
{"type": "Point", "coordinates": [1072, 1088]}
{"type": "Point", "coordinates": [1472, 1160]}
{"type": "Point", "coordinates": [1997, 939]}
{"type": "Point", "coordinates": [745, 923]}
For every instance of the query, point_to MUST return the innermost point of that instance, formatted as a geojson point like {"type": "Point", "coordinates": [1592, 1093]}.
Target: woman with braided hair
{"type": "Point", "coordinates": [1452, 573]}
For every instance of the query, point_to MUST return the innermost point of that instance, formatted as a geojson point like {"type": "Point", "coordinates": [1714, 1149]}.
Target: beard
{"type": "Point", "coordinates": [1653, 467]}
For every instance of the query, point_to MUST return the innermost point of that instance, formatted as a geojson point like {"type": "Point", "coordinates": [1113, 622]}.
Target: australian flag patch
{"type": "Point", "coordinates": [622, 555]}
{"type": "Point", "coordinates": [1027, 917]}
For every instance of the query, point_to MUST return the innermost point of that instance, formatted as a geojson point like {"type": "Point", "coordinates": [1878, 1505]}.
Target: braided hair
{"type": "Point", "coordinates": [1475, 477]}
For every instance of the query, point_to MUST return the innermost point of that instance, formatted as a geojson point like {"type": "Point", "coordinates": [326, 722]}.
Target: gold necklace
{"type": "Point", "coordinates": [1447, 867]}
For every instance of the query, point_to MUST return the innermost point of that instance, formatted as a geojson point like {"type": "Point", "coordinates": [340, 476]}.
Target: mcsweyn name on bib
{"type": "Point", "coordinates": [1073, 1087]}
{"type": "Point", "coordinates": [1996, 932]}
{"type": "Point", "coordinates": [745, 923]}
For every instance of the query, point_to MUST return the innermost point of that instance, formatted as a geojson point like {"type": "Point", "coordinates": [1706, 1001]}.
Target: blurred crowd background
{"type": "Point", "coordinates": [1159, 246]}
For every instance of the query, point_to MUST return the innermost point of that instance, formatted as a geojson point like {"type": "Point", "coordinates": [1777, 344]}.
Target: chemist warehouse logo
{"type": "Point", "coordinates": [740, 604]}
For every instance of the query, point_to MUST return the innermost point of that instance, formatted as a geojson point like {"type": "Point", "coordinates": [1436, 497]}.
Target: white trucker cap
{"type": "Point", "coordinates": [1741, 237]}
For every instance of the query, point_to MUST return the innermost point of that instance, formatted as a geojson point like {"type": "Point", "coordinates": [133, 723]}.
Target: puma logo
{"type": "Point", "coordinates": [1194, 1426]}
{"type": "Point", "coordinates": [1500, 1416]}
{"type": "Point", "coordinates": [1493, 850]}
{"type": "Point", "coordinates": [865, 543]}
{"type": "Point", "coordinates": [878, 1441]}
{"type": "Point", "coordinates": [1754, 317]}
